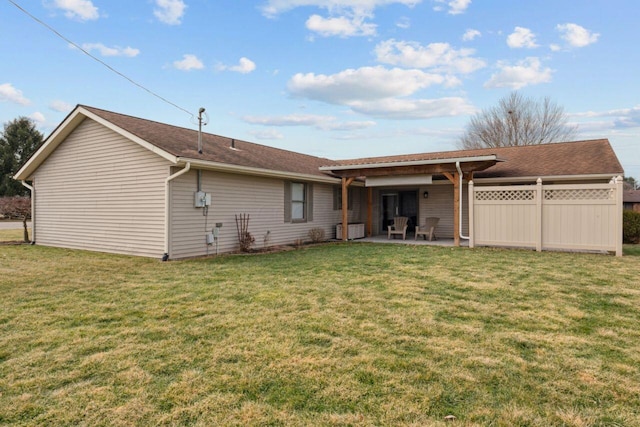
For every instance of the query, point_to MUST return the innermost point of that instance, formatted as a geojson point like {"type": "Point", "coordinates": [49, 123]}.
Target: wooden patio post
{"type": "Point", "coordinates": [345, 207]}
{"type": "Point", "coordinates": [369, 212]}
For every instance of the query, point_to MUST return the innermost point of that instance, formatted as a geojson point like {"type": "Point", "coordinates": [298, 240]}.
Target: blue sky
{"type": "Point", "coordinates": [331, 78]}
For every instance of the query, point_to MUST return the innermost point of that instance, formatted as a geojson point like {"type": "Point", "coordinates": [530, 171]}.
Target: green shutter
{"type": "Point", "coordinates": [287, 201]}
{"type": "Point", "coordinates": [309, 202]}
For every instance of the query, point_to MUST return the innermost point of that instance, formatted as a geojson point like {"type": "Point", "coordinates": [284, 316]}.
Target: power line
{"type": "Point", "coordinates": [54, 31]}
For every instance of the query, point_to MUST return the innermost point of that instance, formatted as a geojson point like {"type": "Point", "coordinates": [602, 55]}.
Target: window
{"type": "Point", "coordinates": [298, 202]}
{"type": "Point", "coordinates": [337, 198]}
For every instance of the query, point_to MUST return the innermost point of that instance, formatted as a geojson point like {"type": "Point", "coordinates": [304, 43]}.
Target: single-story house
{"type": "Point", "coordinates": [631, 200]}
{"type": "Point", "coordinates": [110, 182]}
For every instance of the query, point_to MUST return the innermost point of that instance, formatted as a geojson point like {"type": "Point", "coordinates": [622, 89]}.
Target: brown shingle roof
{"type": "Point", "coordinates": [559, 159]}
{"type": "Point", "coordinates": [183, 142]}
{"type": "Point", "coordinates": [566, 158]}
{"type": "Point", "coordinates": [631, 196]}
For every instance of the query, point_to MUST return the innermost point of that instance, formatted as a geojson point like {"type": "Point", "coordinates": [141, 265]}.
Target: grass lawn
{"type": "Point", "coordinates": [342, 334]}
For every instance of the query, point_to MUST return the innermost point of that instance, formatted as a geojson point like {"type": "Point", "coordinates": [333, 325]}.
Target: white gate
{"type": "Point", "coordinates": [562, 217]}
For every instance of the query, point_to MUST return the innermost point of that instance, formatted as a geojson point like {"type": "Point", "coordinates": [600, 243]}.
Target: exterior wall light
{"type": "Point", "coordinates": [425, 195]}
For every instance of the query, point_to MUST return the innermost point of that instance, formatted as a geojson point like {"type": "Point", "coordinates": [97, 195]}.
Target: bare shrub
{"type": "Point", "coordinates": [317, 235]}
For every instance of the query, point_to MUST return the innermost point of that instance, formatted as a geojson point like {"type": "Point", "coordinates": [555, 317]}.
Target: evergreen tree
{"type": "Point", "coordinates": [18, 141]}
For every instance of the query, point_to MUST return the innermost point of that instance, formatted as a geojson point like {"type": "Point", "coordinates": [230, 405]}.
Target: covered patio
{"type": "Point", "coordinates": [402, 172]}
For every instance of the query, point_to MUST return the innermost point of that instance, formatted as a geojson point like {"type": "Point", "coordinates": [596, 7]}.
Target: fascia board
{"type": "Point", "coordinates": [411, 163]}
{"type": "Point", "coordinates": [49, 145]}
{"type": "Point", "coordinates": [162, 153]}
{"type": "Point", "coordinates": [68, 125]}
{"type": "Point", "coordinates": [246, 170]}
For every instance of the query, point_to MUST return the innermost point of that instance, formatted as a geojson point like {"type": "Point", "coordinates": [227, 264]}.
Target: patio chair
{"type": "Point", "coordinates": [399, 226]}
{"type": "Point", "coordinates": [428, 229]}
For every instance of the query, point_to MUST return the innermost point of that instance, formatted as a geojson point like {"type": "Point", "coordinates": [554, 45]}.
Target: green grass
{"type": "Point", "coordinates": [631, 250]}
{"type": "Point", "coordinates": [341, 334]}
{"type": "Point", "coordinates": [13, 235]}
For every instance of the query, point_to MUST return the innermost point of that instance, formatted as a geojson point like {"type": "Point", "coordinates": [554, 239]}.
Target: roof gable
{"type": "Point", "coordinates": [183, 143]}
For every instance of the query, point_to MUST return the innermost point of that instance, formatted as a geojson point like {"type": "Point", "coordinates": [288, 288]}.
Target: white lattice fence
{"type": "Point", "coordinates": [565, 217]}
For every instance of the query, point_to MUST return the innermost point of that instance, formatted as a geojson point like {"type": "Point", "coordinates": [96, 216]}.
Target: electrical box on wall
{"type": "Point", "coordinates": [210, 238]}
{"type": "Point", "coordinates": [202, 199]}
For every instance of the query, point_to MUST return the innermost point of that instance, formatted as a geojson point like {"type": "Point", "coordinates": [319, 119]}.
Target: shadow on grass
{"type": "Point", "coordinates": [631, 250]}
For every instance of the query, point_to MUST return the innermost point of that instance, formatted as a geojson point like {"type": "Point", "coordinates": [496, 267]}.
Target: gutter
{"type": "Point", "coordinates": [460, 174]}
{"type": "Point", "coordinates": [247, 170]}
{"type": "Point", "coordinates": [412, 163]}
{"type": "Point", "coordinates": [167, 207]}
{"type": "Point", "coordinates": [33, 210]}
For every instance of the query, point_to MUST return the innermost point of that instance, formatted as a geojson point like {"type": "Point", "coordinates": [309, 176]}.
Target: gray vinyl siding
{"type": "Point", "coordinates": [440, 204]}
{"type": "Point", "coordinates": [234, 194]}
{"type": "Point", "coordinates": [100, 191]}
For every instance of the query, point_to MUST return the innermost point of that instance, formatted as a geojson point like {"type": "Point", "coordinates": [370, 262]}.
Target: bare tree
{"type": "Point", "coordinates": [518, 120]}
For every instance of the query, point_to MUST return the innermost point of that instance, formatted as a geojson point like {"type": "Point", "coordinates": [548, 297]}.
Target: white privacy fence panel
{"type": "Point", "coordinates": [565, 217]}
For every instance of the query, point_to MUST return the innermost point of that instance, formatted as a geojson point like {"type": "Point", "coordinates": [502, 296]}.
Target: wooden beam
{"type": "Point", "coordinates": [346, 182]}
{"type": "Point", "coordinates": [450, 177]}
{"type": "Point", "coordinates": [435, 169]}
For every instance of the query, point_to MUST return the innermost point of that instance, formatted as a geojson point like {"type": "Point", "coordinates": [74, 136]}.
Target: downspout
{"type": "Point", "coordinates": [167, 207]}
{"type": "Point", "coordinates": [460, 174]}
{"type": "Point", "coordinates": [33, 211]}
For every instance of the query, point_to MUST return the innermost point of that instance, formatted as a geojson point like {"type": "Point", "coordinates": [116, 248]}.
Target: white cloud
{"type": "Point", "coordinates": [312, 120]}
{"type": "Point", "coordinates": [456, 7]}
{"type": "Point", "coordinates": [379, 92]}
{"type": "Point", "coordinates": [340, 26]}
{"type": "Point", "coordinates": [577, 36]}
{"type": "Point", "coordinates": [440, 56]}
{"type": "Point", "coordinates": [554, 47]}
{"type": "Point", "coordinates": [38, 117]}
{"type": "Point", "coordinates": [84, 10]}
{"type": "Point", "coordinates": [268, 134]}
{"type": "Point", "coordinates": [414, 108]}
{"type": "Point", "coordinates": [347, 18]}
{"type": "Point", "coordinates": [403, 23]}
{"type": "Point", "coordinates": [170, 11]}
{"type": "Point", "coordinates": [188, 62]}
{"type": "Point", "coordinates": [366, 83]}
{"type": "Point", "coordinates": [471, 34]}
{"type": "Point", "coordinates": [111, 51]}
{"type": "Point", "coordinates": [276, 7]}
{"type": "Point", "coordinates": [526, 72]}
{"type": "Point", "coordinates": [60, 106]}
{"type": "Point", "coordinates": [622, 118]}
{"type": "Point", "coordinates": [522, 37]}
{"type": "Point", "coordinates": [245, 66]}
{"type": "Point", "coordinates": [11, 94]}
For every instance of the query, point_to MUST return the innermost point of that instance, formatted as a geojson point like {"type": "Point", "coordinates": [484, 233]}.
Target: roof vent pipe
{"type": "Point", "coordinates": [200, 111]}
{"type": "Point", "coordinates": [233, 143]}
